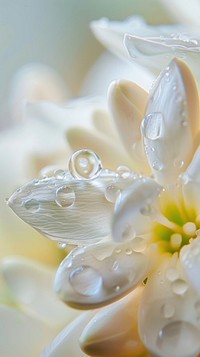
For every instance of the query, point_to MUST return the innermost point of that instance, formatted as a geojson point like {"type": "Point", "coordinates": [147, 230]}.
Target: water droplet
{"type": "Point", "coordinates": [129, 251]}
{"type": "Point", "coordinates": [179, 287]}
{"type": "Point", "coordinates": [65, 196]}
{"type": "Point", "coordinates": [128, 233]}
{"type": "Point", "coordinates": [112, 193]}
{"type": "Point", "coordinates": [167, 310]}
{"type": "Point", "coordinates": [138, 244]}
{"type": "Point", "coordinates": [59, 174]}
{"type": "Point", "coordinates": [124, 171]}
{"type": "Point", "coordinates": [184, 123]}
{"type": "Point", "coordinates": [145, 210]}
{"type": "Point", "coordinates": [86, 281]}
{"type": "Point", "coordinates": [85, 165]}
{"type": "Point", "coordinates": [32, 205]}
{"type": "Point", "coordinates": [118, 251]}
{"type": "Point", "coordinates": [117, 288]}
{"type": "Point", "coordinates": [172, 274]}
{"type": "Point", "coordinates": [152, 126]}
{"type": "Point", "coordinates": [158, 166]}
{"type": "Point", "coordinates": [62, 245]}
{"type": "Point", "coordinates": [178, 338]}
{"type": "Point", "coordinates": [178, 163]}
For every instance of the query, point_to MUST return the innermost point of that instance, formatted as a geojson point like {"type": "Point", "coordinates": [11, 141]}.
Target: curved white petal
{"type": "Point", "coordinates": [65, 209]}
{"type": "Point", "coordinates": [100, 274]}
{"type": "Point", "coordinates": [67, 342]}
{"type": "Point", "coordinates": [132, 214]}
{"type": "Point", "coordinates": [127, 102]}
{"type": "Point", "coordinates": [189, 257]}
{"type": "Point", "coordinates": [31, 286]}
{"type": "Point", "coordinates": [113, 331]}
{"type": "Point", "coordinates": [167, 128]}
{"type": "Point", "coordinates": [169, 313]}
{"type": "Point", "coordinates": [22, 335]}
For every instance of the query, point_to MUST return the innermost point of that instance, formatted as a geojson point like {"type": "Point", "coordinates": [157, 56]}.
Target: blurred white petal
{"type": "Point", "coordinates": [100, 274]}
{"type": "Point", "coordinates": [114, 330]}
{"type": "Point", "coordinates": [132, 214]}
{"type": "Point", "coordinates": [163, 124]}
{"type": "Point", "coordinates": [183, 13]}
{"type": "Point", "coordinates": [22, 335]}
{"type": "Point", "coordinates": [31, 285]}
{"type": "Point", "coordinates": [67, 342]}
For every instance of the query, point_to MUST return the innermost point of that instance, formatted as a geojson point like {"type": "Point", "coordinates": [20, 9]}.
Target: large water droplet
{"type": "Point", "coordinates": [178, 338]}
{"type": "Point", "coordinates": [152, 126]}
{"type": "Point", "coordinates": [86, 281]}
{"type": "Point", "coordinates": [112, 193]}
{"type": "Point", "coordinates": [124, 171]}
{"type": "Point", "coordinates": [179, 287]}
{"type": "Point", "coordinates": [32, 205]}
{"type": "Point", "coordinates": [168, 310]}
{"type": "Point", "coordinates": [85, 165]}
{"type": "Point", "coordinates": [172, 274]}
{"type": "Point", "coordinates": [65, 196]}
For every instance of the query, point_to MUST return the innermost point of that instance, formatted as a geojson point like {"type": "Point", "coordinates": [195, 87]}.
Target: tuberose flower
{"type": "Point", "coordinates": [136, 233]}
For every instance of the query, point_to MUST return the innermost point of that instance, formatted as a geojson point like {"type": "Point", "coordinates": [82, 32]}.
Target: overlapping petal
{"type": "Point", "coordinates": [113, 331]}
{"type": "Point", "coordinates": [93, 276]}
{"type": "Point", "coordinates": [190, 259]}
{"type": "Point", "coordinates": [64, 208]}
{"type": "Point", "coordinates": [163, 124]}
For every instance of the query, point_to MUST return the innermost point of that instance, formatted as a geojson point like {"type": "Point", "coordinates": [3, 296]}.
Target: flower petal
{"type": "Point", "coordinates": [182, 12]}
{"type": "Point", "coordinates": [22, 335]}
{"type": "Point", "coordinates": [65, 209]}
{"type": "Point", "coordinates": [100, 274]}
{"type": "Point", "coordinates": [168, 317]}
{"type": "Point", "coordinates": [31, 285]}
{"type": "Point", "coordinates": [113, 331]}
{"type": "Point", "coordinates": [163, 124]}
{"type": "Point", "coordinates": [127, 102]}
{"type": "Point", "coordinates": [132, 214]}
{"type": "Point", "coordinates": [67, 341]}
{"type": "Point", "coordinates": [189, 258]}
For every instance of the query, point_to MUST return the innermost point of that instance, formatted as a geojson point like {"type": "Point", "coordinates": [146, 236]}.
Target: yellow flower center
{"type": "Point", "coordinates": [175, 225]}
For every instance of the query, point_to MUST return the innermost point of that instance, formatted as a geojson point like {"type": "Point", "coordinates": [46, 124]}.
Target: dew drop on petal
{"type": "Point", "coordinates": [172, 274]}
{"type": "Point", "coordinates": [32, 205]}
{"type": "Point", "coordinates": [139, 244]}
{"type": "Point", "coordinates": [178, 163]}
{"type": "Point", "coordinates": [178, 338]}
{"type": "Point", "coordinates": [85, 165]}
{"type": "Point", "coordinates": [115, 265]}
{"type": "Point", "coordinates": [62, 245]}
{"type": "Point", "coordinates": [168, 310]}
{"type": "Point", "coordinates": [129, 251]}
{"type": "Point", "coordinates": [157, 165]}
{"type": "Point", "coordinates": [86, 281]}
{"type": "Point", "coordinates": [145, 210]}
{"type": "Point", "coordinates": [65, 196]}
{"type": "Point", "coordinates": [152, 126]}
{"type": "Point", "coordinates": [124, 171]}
{"type": "Point", "coordinates": [59, 173]}
{"type": "Point", "coordinates": [112, 192]}
{"type": "Point", "coordinates": [179, 287]}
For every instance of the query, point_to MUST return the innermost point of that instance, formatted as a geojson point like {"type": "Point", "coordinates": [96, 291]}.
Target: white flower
{"type": "Point", "coordinates": [132, 231]}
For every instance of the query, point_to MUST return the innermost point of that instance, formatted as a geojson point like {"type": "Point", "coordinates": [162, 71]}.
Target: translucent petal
{"type": "Point", "coordinates": [163, 124]}
{"type": "Point", "coordinates": [127, 102]}
{"type": "Point", "coordinates": [190, 259]}
{"type": "Point", "coordinates": [31, 286]}
{"type": "Point", "coordinates": [22, 335]}
{"type": "Point", "coordinates": [113, 331]}
{"type": "Point", "coordinates": [100, 274]}
{"type": "Point", "coordinates": [133, 211]}
{"type": "Point", "coordinates": [168, 318]}
{"type": "Point", "coordinates": [65, 209]}
{"type": "Point", "coordinates": [67, 342]}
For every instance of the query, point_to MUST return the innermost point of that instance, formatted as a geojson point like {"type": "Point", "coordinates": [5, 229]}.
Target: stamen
{"type": "Point", "coordinates": [176, 240]}
{"type": "Point", "coordinates": [159, 218]}
{"type": "Point", "coordinates": [190, 228]}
